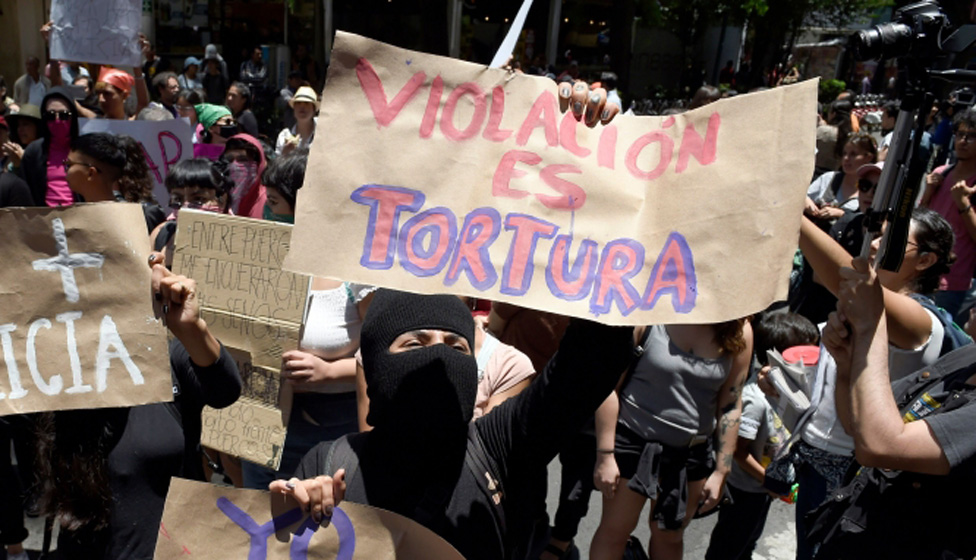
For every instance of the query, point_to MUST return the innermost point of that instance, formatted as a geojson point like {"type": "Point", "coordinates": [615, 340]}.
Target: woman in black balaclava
{"type": "Point", "coordinates": [424, 459]}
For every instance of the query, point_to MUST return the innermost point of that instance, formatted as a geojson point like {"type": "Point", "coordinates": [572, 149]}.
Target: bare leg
{"type": "Point", "coordinates": [618, 521]}
{"type": "Point", "coordinates": [669, 545]}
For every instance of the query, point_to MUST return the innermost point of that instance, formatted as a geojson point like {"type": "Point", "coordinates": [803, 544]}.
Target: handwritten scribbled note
{"type": "Point", "coordinates": [96, 31]}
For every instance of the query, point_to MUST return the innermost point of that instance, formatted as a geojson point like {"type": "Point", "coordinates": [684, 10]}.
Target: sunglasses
{"type": "Point", "coordinates": [866, 185]}
{"type": "Point", "coordinates": [57, 115]}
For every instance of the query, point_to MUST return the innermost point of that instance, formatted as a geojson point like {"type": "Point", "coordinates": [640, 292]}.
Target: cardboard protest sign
{"type": "Point", "coordinates": [77, 328]}
{"type": "Point", "coordinates": [207, 521]}
{"type": "Point", "coordinates": [444, 176]}
{"type": "Point", "coordinates": [256, 310]}
{"type": "Point", "coordinates": [164, 143]}
{"type": "Point", "coordinates": [103, 32]}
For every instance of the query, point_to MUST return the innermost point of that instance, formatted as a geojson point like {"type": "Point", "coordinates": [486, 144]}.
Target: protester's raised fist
{"type": "Point", "coordinates": [174, 298]}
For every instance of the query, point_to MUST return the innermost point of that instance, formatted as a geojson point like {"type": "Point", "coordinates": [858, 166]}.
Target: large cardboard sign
{"type": "Point", "coordinates": [103, 32]}
{"type": "Point", "coordinates": [77, 328]}
{"type": "Point", "coordinates": [256, 310]}
{"type": "Point", "coordinates": [445, 176]}
{"type": "Point", "coordinates": [205, 521]}
{"type": "Point", "coordinates": [164, 143]}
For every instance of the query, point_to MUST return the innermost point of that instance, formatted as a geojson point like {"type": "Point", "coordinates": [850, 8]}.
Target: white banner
{"type": "Point", "coordinates": [164, 143]}
{"type": "Point", "coordinates": [102, 32]}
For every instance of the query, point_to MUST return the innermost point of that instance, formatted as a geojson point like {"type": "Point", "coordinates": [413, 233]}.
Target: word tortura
{"type": "Point", "coordinates": [429, 242]}
{"type": "Point", "coordinates": [487, 118]}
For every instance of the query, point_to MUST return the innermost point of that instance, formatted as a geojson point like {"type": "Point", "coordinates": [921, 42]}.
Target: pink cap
{"type": "Point", "coordinates": [806, 355]}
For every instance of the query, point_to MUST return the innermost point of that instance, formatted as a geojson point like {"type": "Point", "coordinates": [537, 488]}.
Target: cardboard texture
{"type": "Point", "coordinates": [205, 521]}
{"type": "Point", "coordinates": [103, 32]}
{"type": "Point", "coordinates": [77, 328]}
{"type": "Point", "coordinates": [445, 176]}
{"type": "Point", "coordinates": [164, 143]}
{"type": "Point", "coordinates": [255, 309]}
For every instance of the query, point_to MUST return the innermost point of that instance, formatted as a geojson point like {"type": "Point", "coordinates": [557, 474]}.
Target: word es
{"type": "Point", "coordinates": [430, 242]}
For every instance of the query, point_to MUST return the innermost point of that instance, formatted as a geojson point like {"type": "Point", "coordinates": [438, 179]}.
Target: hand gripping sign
{"type": "Point", "coordinates": [206, 521]}
{"type": "Point", "coordinates": [445, 176]}
{"type": "Point", "coordinates": [77, 328]}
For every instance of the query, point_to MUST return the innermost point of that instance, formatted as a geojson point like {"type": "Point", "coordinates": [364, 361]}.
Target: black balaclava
{"type": "Point", "coordinates": [432, 387]}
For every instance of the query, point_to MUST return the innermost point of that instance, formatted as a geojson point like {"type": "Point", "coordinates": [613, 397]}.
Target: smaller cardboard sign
{"type": "Point", "coordinates": [103, 32]}
{"type": "Point", "coordinates": [256, 310]}
{"type": "Point", "coordinates": [205, 521]}
{"type": "Point", "coordinates": [77, 328]}
{"type": "Point", "coordinates": [164, 143]}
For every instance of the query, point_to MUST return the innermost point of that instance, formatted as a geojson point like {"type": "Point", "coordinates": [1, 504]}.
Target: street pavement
{"type": "Point", "coordinates": [778, 541]}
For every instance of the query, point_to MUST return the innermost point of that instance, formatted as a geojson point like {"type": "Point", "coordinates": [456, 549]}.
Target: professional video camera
{"type": "Point", "coordinates": [919, 38]}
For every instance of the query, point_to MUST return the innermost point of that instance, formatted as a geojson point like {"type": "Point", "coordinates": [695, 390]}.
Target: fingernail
{"type": "Point", "coordinates": [317, 517]}
{"type": "Point", "coordinates": [577, 107]}
{"type": "Point", "coordinates": [590, 113]}
{"type": "Point", "coordinates": [581, 87]}
{"type": "Point", "coordinates": [152, 259]}
{"type": "Point", "coordinates": [564, 91]}
{"type": "Point", "coordinates": [159, 296]}
{"type": "Point", "coordinates": [290, 485]}
{"type": "Point", "coordinates": [165, 309]}
{"type": "Point", "coordinates": [328, 512]}
{"type": "Point", "coordinates": [605, 115]}
{"type": "Point", "coordinates": [595, 98]}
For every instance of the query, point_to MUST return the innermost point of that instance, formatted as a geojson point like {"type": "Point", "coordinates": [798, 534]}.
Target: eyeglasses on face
{"type": "Point", "coordinates": [68, 164]}
{"type": "Point", "coordinates": [966, 136]}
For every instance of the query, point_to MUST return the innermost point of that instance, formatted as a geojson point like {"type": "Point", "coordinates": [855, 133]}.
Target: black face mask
{"type": "Point", "coordinates": [427, 391]}
{"type": "Point", "coordinates": [228, 130]}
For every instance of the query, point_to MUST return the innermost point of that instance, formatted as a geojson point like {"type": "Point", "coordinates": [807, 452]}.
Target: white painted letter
{"type": "Point", "coordinates": [108, 336]}
{"type": "Point", "coordinates": [48, 388]}
{"type": "Point", "coordinates": [16, 389]}
{"type": "Point", "coordinates": [78, 386]}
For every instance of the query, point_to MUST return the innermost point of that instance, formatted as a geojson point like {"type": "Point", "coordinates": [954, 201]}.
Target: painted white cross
{"type": "Point", "coordinates": [65, 263]}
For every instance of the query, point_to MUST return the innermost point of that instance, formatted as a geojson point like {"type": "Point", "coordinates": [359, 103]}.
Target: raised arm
{"type": "Point", "coordinates": [909, 325]}
{"type": "Point", "coordinates": [881, 438]}
{"type": "Point", "coordinates": [531, 427]}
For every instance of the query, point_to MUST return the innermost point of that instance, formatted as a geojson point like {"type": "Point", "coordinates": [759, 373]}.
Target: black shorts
{"type": "Point", "coordinates": [662, 472]}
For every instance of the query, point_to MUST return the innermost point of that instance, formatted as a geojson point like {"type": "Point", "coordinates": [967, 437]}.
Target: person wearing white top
{"type": "Point", "coordinates": [304, 104]}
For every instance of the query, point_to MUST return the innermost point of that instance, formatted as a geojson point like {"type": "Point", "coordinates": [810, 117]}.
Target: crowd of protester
{"type": "Point", "coordinates": [448, 410]}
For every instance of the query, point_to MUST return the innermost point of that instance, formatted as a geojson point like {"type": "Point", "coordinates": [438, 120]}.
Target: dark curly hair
{"type": "Point", "coordinates": [135, 184]}
{"type": "Point", "coordinates": [934, 235]}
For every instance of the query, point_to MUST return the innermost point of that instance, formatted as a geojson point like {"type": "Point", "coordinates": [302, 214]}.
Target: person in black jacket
{"type": "Point", "coordinates": [105, 473]}
{"type": "Point", "coordinates": [468, 482]}
{"type": "Point", "coordinates": [58, 128]}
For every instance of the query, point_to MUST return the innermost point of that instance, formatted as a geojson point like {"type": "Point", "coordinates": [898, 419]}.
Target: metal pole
{"type": "Point", "coordinates": [552, 40]}
{"type": "Point", "coordinates": [327, 15]}
{"type": "Point", "coordinates": [454, 8]}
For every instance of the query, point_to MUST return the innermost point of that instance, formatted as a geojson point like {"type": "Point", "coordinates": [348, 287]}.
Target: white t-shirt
{"type": "Point", "coordinates": [332, 327]}
{"type": "Point", "coordinates": [824, 429]}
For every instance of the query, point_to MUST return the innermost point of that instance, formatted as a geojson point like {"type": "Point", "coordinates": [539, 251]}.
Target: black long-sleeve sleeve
{"type": "Point", "coordinates": [528, 430]}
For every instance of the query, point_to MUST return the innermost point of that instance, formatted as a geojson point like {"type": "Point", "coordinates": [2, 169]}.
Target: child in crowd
{"type": "Point", "coordinates": [761, 435]}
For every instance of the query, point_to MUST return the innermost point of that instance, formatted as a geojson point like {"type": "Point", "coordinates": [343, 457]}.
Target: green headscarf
{"type": "Point", "coordinates": [208, 114]}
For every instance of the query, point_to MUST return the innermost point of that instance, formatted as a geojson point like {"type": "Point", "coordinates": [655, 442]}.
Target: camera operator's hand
{"type": "Point", "coordinates": [836, 338]}
{"type": "Point", "coordinates": [860, 299]}
{"type": "Point", "coordinates": [961, 193]}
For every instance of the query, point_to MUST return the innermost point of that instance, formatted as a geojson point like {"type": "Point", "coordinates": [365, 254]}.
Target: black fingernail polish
{"type": "Point", "coordinates": [159, 296]}
{"type": "Point", "coordinates": [606, 114]}
{"type": "Point", "coordinates": [577, 107]}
